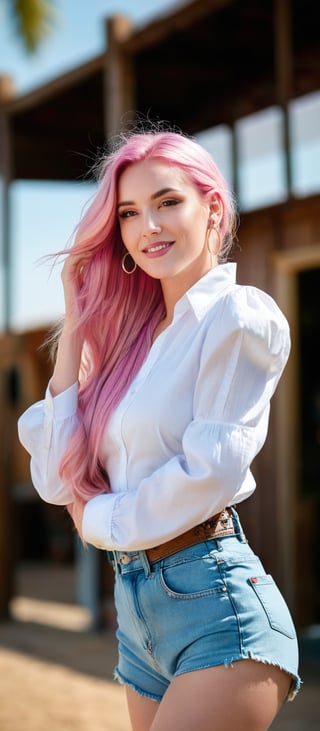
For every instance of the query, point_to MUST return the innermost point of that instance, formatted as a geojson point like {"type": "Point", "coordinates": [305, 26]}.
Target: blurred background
{"type": "Point", "coordinates": [243, 77]}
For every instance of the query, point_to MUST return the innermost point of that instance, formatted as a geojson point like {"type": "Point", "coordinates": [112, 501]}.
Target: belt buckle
{"type": "Point", "coordinates": [224, 517]}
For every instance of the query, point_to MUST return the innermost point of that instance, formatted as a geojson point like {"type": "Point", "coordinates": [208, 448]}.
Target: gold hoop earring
{"type": "Point", "coordinates": [213, 225]}
{"type": "Point", "coordinates": [218, 246]}
{"type": "Point", "coordinates": [128, 264]}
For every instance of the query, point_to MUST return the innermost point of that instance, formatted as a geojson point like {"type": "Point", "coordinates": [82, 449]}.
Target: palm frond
{"type": "Point", "coordinates": [34, 19]}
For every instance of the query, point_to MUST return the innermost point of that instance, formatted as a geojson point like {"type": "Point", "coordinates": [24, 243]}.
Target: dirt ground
{"type": "Point", "coordinates": [51, 680]}
{"type": "Point", "coordinates": [56, 674]}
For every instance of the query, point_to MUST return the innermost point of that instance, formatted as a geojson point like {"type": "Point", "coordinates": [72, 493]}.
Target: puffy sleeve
{"type": "Point", "coordinates": [44, 430]}
{"type": "Point", "coordinates": [242, 358]}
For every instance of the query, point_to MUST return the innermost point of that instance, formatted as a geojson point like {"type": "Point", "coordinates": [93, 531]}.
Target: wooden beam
{"type": "Point", "coordinates": [119, 96]}
{"type": "Point", "coordinates": [58, 157]}
{"type": "Point", "coordinates": [177, 20]}
{"type": "Point", "coordinates": [52, 89]}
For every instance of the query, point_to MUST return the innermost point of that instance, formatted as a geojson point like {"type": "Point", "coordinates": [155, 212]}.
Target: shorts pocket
{"type": "Point", "coordinates": [273, 604]}
{"type": "Point", "coordinates": [192, 579]}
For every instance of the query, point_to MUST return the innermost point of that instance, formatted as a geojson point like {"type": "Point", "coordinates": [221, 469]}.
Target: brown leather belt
{"type": "Point", "coordinates": [218, 526]}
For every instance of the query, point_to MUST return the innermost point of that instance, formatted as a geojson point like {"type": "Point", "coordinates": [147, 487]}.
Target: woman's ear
{"type": "Point", "coordinates": [215, 215]}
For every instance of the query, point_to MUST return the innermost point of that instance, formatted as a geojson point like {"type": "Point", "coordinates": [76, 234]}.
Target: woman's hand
{"type": "Point", "coordinates": [72, 280]}
{"type": "Point", "coordinates": [67, 366]}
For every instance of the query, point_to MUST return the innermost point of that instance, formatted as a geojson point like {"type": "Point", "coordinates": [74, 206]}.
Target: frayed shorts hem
{"type": "Point", "coordinates": [124, 681]}
{"type": "Point", "coordinates": [295, 679]}
{"type": "Point", "coordinates": [228, 662]}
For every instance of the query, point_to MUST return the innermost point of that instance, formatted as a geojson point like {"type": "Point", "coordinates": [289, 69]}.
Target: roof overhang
{"type": "Point", "coordinates": [210, 62]}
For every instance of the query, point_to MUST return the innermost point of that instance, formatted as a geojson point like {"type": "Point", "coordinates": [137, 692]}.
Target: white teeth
{"type": "Point", "coordinates": [158, 248]}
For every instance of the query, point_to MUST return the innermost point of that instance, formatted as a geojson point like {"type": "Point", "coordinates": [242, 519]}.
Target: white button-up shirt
{"type": "Point", "coordinates": [179, 445]}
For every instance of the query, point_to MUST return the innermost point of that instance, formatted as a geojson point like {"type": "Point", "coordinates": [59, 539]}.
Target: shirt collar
{"type": "Point", "coordinates": [200, 297]}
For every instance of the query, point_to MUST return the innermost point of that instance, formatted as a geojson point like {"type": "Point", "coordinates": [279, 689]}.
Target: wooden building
{"type": "Point", "coordinates": [210, 62]}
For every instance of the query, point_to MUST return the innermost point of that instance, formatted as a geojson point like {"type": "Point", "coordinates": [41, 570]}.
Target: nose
{"type": "Point", "coordinates": [150, 224]}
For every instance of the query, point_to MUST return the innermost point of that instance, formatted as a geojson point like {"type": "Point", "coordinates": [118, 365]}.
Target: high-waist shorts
{"type": "Point", "coordinates": [207, 605]}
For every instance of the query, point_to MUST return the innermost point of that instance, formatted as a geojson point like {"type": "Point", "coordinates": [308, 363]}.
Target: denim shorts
{"type": "Point", "coordinates": [209, 604]}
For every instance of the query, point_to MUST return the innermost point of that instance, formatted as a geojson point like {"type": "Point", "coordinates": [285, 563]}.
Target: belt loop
{"type": "Point", "coordinates": [145, 563]}
{"type": "Point", "coordinates": [218, 543]}
{"type": "Point", "coordinates": [113, 561]}
{"type": "Point", "coordinates": [110, 557]}
{"type": "Point", "coordinates": [237, 525]}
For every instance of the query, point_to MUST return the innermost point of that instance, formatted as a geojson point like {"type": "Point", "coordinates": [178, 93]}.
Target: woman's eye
{"type": "Point", "coordinates": [169, 202]}
{"type": "Point", "coordinates": [126, 214]}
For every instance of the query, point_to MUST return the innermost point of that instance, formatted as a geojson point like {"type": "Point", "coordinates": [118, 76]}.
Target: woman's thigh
{"type": "Point", "coordinates": [142, 710]}
{"type": "Point", "coordinates": [245, 696]}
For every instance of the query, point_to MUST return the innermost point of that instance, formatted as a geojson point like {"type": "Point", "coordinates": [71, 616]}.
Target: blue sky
{"type": "Point", "coordinates": [43, 216]}
{"type": "Point", "coordinates": [78, 34]}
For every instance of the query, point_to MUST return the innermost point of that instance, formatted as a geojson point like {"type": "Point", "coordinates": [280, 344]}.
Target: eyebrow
{"type": "Point", "coordinates": [154, 196]}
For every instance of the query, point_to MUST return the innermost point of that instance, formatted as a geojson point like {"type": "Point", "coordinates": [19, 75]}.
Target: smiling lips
{"type": "Point", "coordinates": [158, 249]}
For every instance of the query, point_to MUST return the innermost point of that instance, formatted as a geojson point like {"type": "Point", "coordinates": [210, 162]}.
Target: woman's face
{"type": "Point", "coordinates": [164, 222]}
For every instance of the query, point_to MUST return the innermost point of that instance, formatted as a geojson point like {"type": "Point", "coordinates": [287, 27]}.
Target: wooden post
{"type": "Point", "coordinates": [283, 58]}
{"type": "Point", "coordinates": [284, 500]}
{"type": "Point", "coordinates": [7, 415]}
{"type": "Point", "coordinates": [119, 100]}
{"type": "Point", "coordinates": [6, 93]}
{"type": "Point", "coordinates": [6, 536]}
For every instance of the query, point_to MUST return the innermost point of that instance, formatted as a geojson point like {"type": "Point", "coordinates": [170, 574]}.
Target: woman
{"type": "Point", "coordinates": [158, 403]}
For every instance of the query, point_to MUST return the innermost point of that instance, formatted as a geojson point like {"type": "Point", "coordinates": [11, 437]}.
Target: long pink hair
{"type": "Point", "coordinates": [118, 312]}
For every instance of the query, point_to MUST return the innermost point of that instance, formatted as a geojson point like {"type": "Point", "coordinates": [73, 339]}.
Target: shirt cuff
{"type": "Point", "coordinates": [63, 405]}
{"type": "Point", "coordinates": [96, 521]}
